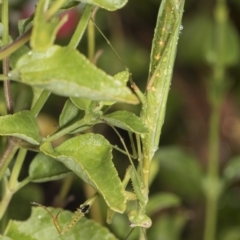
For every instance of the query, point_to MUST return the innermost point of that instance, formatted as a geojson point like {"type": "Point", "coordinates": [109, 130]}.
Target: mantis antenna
{"type": "Point", "coordinates": [80, 212]}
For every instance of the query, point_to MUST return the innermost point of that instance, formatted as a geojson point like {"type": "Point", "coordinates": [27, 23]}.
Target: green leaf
{"type": "Point", "coordinates": [17, 55]}
{"type": "Point", "coordinates": [69, 113]}
{"type": "Point", "coordinates": [22, 125]}
{"type": "Point", "coordinates": [40, 226]}
{"type": "Point", "coordinates": [66, 72]}
{"type": "Point", "coordinates": [126, 120]}
{"type": "Point", "coordinates": [44, 168]}
{"type": "Point", "coordinates": [81, 103]}
{"type": "Point", "coordinates": [178, 170]}
{"type": "Point", "coordinates": [90, 157]}
{"type": "Point", "coordinates": [231, 172]}
{"type": "Point", "coordinates": [162, 201]}
{"type": "Point", "coordinates": [123, 77]}
{"type": "Point", "coordinates": [25, 24]}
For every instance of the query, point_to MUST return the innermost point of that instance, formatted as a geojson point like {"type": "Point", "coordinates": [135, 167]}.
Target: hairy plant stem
{"type": "Point", "coordinates": [216, 94]}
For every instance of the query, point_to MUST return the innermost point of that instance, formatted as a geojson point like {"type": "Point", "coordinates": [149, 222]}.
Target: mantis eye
{"type": "Point", "coordinates": [84, 208]}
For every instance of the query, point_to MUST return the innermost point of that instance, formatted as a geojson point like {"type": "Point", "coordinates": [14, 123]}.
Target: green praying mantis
{"type": "Point", "coordinates": [153, 103]}
{"type": "Point", "coordinates": [152, 114]}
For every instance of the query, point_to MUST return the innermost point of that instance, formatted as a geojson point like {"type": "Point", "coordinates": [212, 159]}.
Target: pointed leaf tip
{"type": "Point", "coordinates": [90, 157]}
{"type": "Point", "coordinates": [66, 72]}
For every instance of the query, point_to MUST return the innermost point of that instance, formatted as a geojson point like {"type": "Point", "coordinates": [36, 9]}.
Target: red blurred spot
{"type": "Point", "coordinates": [68, 28]}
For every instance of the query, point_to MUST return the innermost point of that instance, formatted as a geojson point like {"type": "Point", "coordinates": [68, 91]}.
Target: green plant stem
{"type": "Point", "coordinates": [62, 132]}
{"type": "Point", "coordinates": [8, 154]}
{"type": "Point", "coordinates": [4, 19]}
{"type": "Point", "coordinates": [91, 41]}
{"type": "Point", "coordinates": [8, 193]}
{"type": "Point", "coordinates": [213, 188]}
{"type": "Point", "coordinates": [13, 182]}
{"type": "Point", "coordinates": [134, 151]}
{"type": "Point", "coordinates": [60, 199]}
{"type": "Point", "coordinates": [5, 201]}
{"type": "Point", "coordinates": [7, 90]}
{"type": "Point", "coordinates": [40, 102]}
{"type": "Point", "coordinates": [16, 44]}
{"type": "Point", "coordinates": [7, 87]}
{"type": "Point", "coordinates": [10, 150]}
{"type": "Point", "coordinates": [12, 186]}
{"type": "Point", "coordinates": [23, 183]}
{"type": "Point", "coordinates": [81, 27]}
{"type": "Point", "coordinates": [212, 175]}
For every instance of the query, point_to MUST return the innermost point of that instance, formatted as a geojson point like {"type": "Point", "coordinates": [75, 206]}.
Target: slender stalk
{"type": "Point", "coordinates": [40, 102]}
{"type": "Point", "coordinates": [212, 175]}
{"type": "Point", "coordinates": [7, 156]}
{"type": "Point", "coordinates": [16, 44]}
{"type": "Point", "coordinates": [22, 183]}
{"type": "Point", "coordinates": [82, 25]}
{"type": "Point", "coordinates": [122, 151]}
{"type": "Point", "coordinates": [4, 18]}
{"type": "Point", "coordinates": [111, 46]}
{"type": "Point", "coordinates": [91, 41]}
{"type": "Point", "coordinates": [4, 162]}
{"type": "Point", "coordinates": [134, 151]}
{"type": "Point", "coordinates": [7, 90]}
{"type": "Point", "coordinates": [216, 94]}
{"type": "Point", "coordinates": [126, 150]}
{"type": "Point", "coordinates": [5, 201]}
{"type": "Point", "coordinates": [62, 132]}
{"type": "Point", "coordinates": [13, 182]}
{"type": "Point", "coordinates": [60, 199]}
